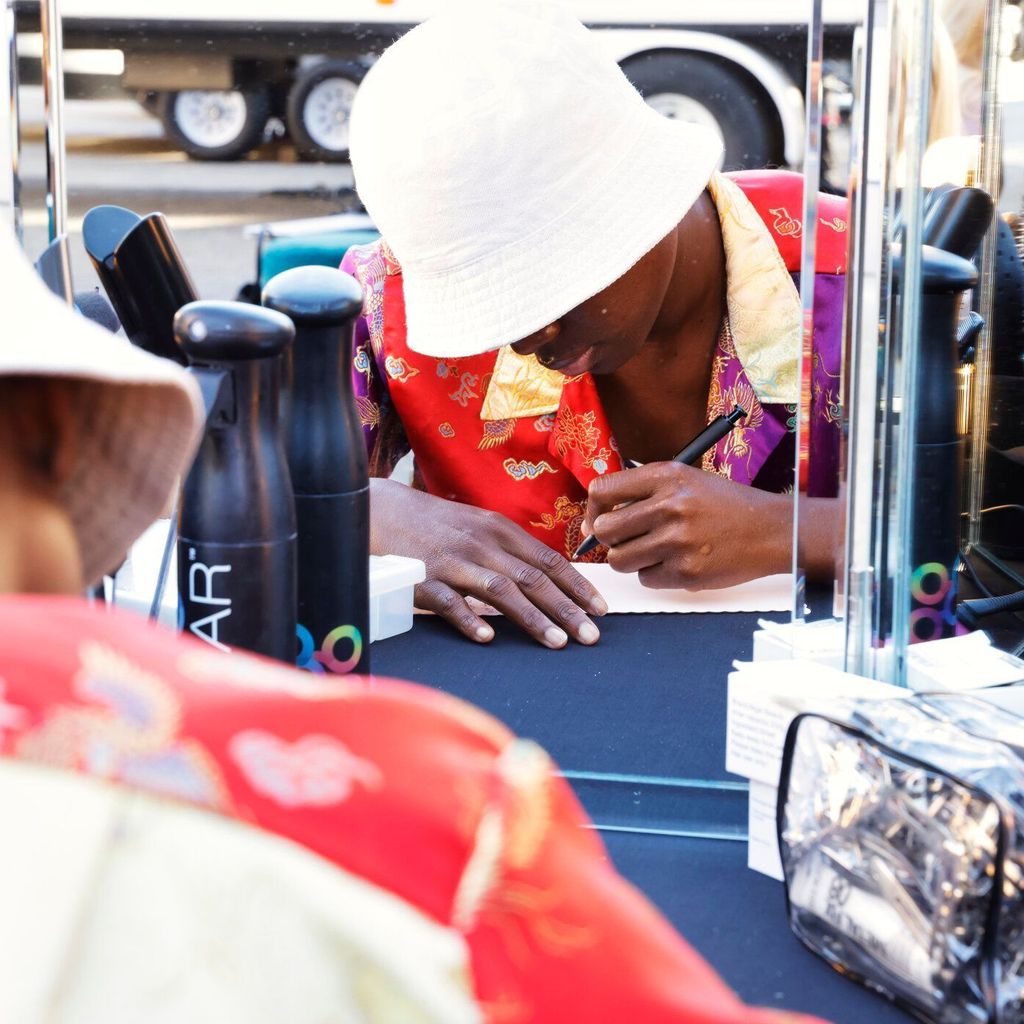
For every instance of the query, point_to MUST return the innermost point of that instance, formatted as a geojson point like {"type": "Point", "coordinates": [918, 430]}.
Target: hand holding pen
{"type": "Point", "coordinates": [692, 453]}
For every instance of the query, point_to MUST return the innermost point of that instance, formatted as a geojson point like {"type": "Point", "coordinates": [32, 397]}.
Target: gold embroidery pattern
{"type": "Point", "coordinates": [519, 387]}
{"type": "Point", "coordinates": [369, 411]}
{"type": "Point", "coordinates": [363, 364]}
{"type": "Point", "coordinates": [129, 732]}
{"type": "Point", "coordinates": [828, 398]}
{"type": "Point", "coordinates": [576, 433]}
{"type": "Point", "coordinates": [390, 261]}
{"type": "Point", "coordinates": [571, 513]}
{"type": "Point", "coordinates": [525, 470]}
{"type": "Point", "coordinates": [784, 224]}
{"type": "Point", "coordinates": [370, 266]}
{"type": "Point", "coordinates": [837, 224]}
{"type": "Point", "coordinates": [509, 837]}
{"type": "Point", "coordinates": [496, 432]}
{"type": "Point", "coordinates": [528, 770]}
{"type": "Point", "coordinates": [721, 402]}
{"type": "Point", "coordinates": [446, 429]}
{"type": "Point", "coordinates": [737, 442]}
{"type": "Point", "coordinates": [525, 917]}
{"type": "Point", "coordinates": [398, 369]}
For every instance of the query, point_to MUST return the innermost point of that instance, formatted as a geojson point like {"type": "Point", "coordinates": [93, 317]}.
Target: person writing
{"type": "Point", "coordinates": [193, 835]}
{"type": "Point", "coordinates": [565, 286]}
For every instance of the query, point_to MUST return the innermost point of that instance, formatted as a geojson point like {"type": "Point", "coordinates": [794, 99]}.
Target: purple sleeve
{"type": "Point", "coordinates": [382, 430]}
{"type": "Point", "coordinates": [823, 479]}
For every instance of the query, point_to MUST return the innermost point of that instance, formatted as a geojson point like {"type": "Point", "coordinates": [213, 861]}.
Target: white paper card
{"type": "Point", "coordinates": [624, 593]}
{"type": "Point", "coordinates": [763, 845]}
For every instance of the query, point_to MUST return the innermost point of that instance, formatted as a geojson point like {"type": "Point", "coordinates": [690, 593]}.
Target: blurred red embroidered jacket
{"type": "Point", "coordinates": [469, 887]}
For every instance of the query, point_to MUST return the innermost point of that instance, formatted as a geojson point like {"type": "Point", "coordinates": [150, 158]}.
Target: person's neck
{"type": "Point", "coordinates": [657, 402]}
{"type": "Point", "coordinates": [689, 322]}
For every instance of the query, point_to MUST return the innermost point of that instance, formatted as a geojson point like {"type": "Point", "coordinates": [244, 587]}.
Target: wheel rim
{"type": "Point", "coordinates": [325, 114]}
{"type": "Point", "coordinates": [210, 119]}
{"type": "Point", "coordinates": [678, 107]}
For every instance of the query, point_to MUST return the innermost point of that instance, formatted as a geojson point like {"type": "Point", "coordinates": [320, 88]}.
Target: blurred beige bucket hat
{"type": "Point", "coordinates": [514, 171]}
{"type": "Point", "coordinates": [139, 417]}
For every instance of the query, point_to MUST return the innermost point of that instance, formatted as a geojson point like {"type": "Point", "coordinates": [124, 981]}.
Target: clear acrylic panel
{"type": "Point", "coordinates": [923, 287]}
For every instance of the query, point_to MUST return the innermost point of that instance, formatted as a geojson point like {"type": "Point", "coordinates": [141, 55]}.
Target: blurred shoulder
{"type": "Point", "coordinates": [778, 198]}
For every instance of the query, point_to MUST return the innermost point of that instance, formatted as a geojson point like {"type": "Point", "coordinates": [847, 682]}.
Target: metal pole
{"type": "Point", "coordinates": [988, 179]}
{"type": "Point", "coordinates": [9, 45]}
{"type": "Point", "coordinates": [905, 397]}
{"type": "Point", "coordinates": [53, 98]}
{"type": "Point", "coordinates": [812, 182]}
{"type": "Point", "coordinates": [866, 300]}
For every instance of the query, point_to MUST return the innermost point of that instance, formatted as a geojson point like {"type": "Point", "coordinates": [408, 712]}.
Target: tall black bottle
{"type": "Point", "coordinates": [939, 447]}
{"type": "Point", "coordinates": [327, 459]}
{"type": "Point", "coordinates": [236, 532]}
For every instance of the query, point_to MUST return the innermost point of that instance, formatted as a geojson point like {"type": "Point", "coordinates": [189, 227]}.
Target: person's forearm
{"type": "Point", "coordinates": [819, 535]}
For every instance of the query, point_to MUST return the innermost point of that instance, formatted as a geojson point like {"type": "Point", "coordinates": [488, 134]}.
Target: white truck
{"type": "Point", "coordinates": [218, 71]}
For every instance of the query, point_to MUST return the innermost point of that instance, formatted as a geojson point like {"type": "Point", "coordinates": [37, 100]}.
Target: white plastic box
{"type": "Point", "coordinates": [392, 581]}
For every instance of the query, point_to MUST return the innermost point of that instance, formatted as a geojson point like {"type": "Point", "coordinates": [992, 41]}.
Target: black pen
{"type": "Point", "coordinates": [696, 449]}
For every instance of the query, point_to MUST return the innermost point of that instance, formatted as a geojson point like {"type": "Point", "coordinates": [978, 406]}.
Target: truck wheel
{"type": "Point", "coordinates": [319, 106]}
{"type": "Point", "coordinates": [215, 125]}
{"type": "Point", "coordinates": [696, 88]}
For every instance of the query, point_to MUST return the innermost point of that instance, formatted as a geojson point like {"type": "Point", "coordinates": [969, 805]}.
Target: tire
{"type": "Point", "coordinates": [319, 105]}
{"type": "Point", "coordinates": [210, 125]}
{"type": "Point", "coordinates": [149, 101]}
{"type": "Point", "coordinates": [691, 87]}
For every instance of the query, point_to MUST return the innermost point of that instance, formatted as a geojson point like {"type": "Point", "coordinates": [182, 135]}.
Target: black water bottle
{"type": "Point", "coordinates": [938, 447]}
{"type": "Point", "coordinates": [327, 459]}
{"type": "Point", "coordinates": [236, 531]}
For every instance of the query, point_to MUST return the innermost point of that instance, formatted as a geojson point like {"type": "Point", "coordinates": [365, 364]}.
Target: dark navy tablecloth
{"type": "Point", "coordinates": [648, 700]}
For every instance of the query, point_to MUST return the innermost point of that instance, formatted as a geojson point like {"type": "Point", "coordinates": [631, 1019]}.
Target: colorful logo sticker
{"type": "Point", "coordinates": [931, 585]}
{"type": "Point", "coordinates": [326, 658]}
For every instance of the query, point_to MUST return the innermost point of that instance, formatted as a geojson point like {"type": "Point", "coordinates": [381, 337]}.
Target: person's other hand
{"type": "Point", "coordinates": [687, 528]}
{"type": "Point", "coordinates": [472, 552]}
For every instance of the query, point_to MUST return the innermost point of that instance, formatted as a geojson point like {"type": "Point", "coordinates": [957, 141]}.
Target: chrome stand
{"type": "Point", "coordinates": [53, 98]}
{"type": "Point", "coordinates": [10, 190]}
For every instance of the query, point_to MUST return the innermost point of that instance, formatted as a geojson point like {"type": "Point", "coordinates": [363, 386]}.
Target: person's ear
{"type": "Point", "coordinates": [64, 429]}
{"type": "Point", "coordinates": [41, 426]}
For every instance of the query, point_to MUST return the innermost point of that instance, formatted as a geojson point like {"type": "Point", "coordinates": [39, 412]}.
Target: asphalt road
{"type": "Point", "coordinates": [116, 154]}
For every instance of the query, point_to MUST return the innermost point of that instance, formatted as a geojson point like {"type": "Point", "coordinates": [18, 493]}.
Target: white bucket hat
{"type": "Point", "coordinates": [514, 171]}
{"type": "Point", "coordinates": [139, 417]}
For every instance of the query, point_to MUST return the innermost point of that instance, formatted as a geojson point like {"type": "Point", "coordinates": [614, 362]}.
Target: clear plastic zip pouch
{"type": "Point", "coordinates": [901, 831]}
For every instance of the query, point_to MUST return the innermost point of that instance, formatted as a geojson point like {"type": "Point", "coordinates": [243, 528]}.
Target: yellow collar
{"type": "Point", "coordinates": [764, 316]}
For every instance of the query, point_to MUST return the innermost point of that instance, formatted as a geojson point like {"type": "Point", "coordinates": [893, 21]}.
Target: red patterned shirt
{"type": "Point", "coordinates": [500, 431]}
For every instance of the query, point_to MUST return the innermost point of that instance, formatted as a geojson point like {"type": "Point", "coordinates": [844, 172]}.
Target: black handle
{"type": "Point", "coordinates": [314, 296]}
{"type": "Point", "coordinates": [957, 220]}
{"type": "Point", "coordinates": [213, 333]}
{"type": "Point", "coordinates": [143, 273]}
